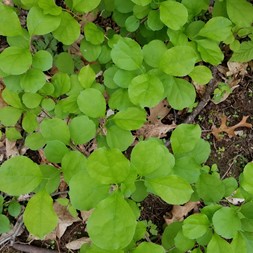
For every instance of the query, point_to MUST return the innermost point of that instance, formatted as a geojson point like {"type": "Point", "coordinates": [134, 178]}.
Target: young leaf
{"type": "Point", "coordinates": [49, 7]}
{"type": "Point", "coordinates": [30, 122]}
{"type": "Point", "coordinates": [108, 166]}
{"type": "Point", "coordinates": [12, 98]}
{"type": "Point", "coordinates": [89, 51]}
{"type": "Point", "coordinates": [178, 60]}
{"type": "Point", "coordinates": [170, 233]}
{"type": "Point", "coordinates": [86, 76]}
{"type": "Point", "coordinates": [146, 90]}
{"type": "Point", "coordinates": [82, 129]}
{"type": "Point", "coordinates": [173, 14]}
{"type": "Point", "coordinates": [92, 103]}
{"type": "Point", "coordinates": [64, 62]}
{"type": "Point", "coordinates": [201, 74]}
{"type": "Point", "coordinates": [9, 115]}
{"type": "Point", "coordinates": [142, 2]}
{"type": "Point", "coordinates": [195, 226]}
{"type": "Point", "coordinates": [172, 189]}
{"type": "Point", "coordinates": [35, 141]}
{"type": "Point", "coordinates": [4, 224]}
{"type": "Point", "coordinates": [39, 216]}
{"type": "Point", "coordinates": [154, 22]}
{"type": "Point", "coordinates": [218, 245]}
{"type": "Point", "coordinates": [39, 24]}
{"type": "Point", "coordinates": [127, 54]}
{"type": "Point", "coordinates": [55, 151]}
{"type": "Point", "coordinates": [112, 224]}
{"type": "Point", "coordinates": [244, 53]}
{"type": "Point", "coordinates": [149, 247]}
{"type": "Point", "coordinates": [61, 82]}
{"type": "Point", "coordinates": [132, 23]}
{"type": "Point", "coordinates": [42, 60]}
{"type": "Point", "coordinates": [85, 6]}
{"type": "Point", "coordinates": [15, 60]}
{"type": "Point", "coordinates": [14, 209]}
{"type": "Point", "coordinates": [93, 34]}
{"type": "Point", "coordinates": [85, 192]}
{"type": "Point", "coordinates": [19, 175]}
{"type": "Point", "coordinates": [31, 100]}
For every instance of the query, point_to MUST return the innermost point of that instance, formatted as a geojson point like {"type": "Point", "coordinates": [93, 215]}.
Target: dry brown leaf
{"type": "Point", "coordinates": [77, 244]}
{"type": "Point", "coordinates": [11, 149]}
{"type": "Point", "coordinates": [158, 112]}
{"type": "Point", "coordinates": [229, 130]}
{"type": "Point", "coordinates": [237, 68]}
{"type": "Point", "coordinates": [178, 213]}
{"type": "Point", "coordinates": [86, 214]}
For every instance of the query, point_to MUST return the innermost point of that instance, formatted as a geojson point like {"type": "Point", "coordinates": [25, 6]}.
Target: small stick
{"type": "Point", "coordinates": [31, 249]}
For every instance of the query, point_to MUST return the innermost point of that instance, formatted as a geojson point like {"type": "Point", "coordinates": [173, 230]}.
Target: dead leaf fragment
{"type": "Point", "coordinates": [159, 112]}
{"type": "Point", "coordinates": [77, 244]}
{"type": "Point", "coordinates": [231, 131]}
{"type": "Point", "coordinates": [237, 68]}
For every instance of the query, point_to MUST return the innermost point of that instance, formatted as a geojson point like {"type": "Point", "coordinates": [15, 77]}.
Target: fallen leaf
{"type": "Point", "coordinates": [11, 149]}
{"type": "Point", "coordinates": [237, 68]}
{"type": "Point", "coordinates": [158, 112]}
{"type": "Point", "coordinates": [77, 244]}
{"type": "Point", "coordinates": [229, 130]}
{"type": "Point", "coordinates": [86, 214]}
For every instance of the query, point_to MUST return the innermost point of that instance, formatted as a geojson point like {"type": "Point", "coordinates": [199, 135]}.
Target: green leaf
{"type": "Point", "coordinates": [184, 138]}
{"type": "Point", "coordinates": [72, 163]}
{"type": "Point", "coordinates": [230, 186]}
{"type": "Point", "coordinates": [246, 210]}
{"type": "Point", "coordinates": [217, 29]}
{"type": "Point", "coordinates": [85, 6]}
{"type": "Point", "coordinates": [13, 134]}
{"type": "Point", "coordinates": [239, 244]}
{"type": "Point", "coordinates": [39, 216]}
{"type": "Point", "coordinates": [55, 151]}
{"type": "Point", "coordinates": [14, 209]}
{"type": "Point", "coordinates": [108, 166]}
{"type": "Point", "coordinates": [195, 226]}
{"type": "Point", "coordinates": [10, 24]}
{"type": "Point", "coordinates": [201, 74]}
{"type": "Point", "coordinates": [154, 22]}
{"type": "Point", "coordinates": [177, 38]}
{"type": "Point", "coordinates": [127, 54]}
{"type": "Point", "coordinates": [93, 34]}
{"type": "Point", "coordinates": [15, 60]}
{"type": "Point", "coordinates": [170, 233]}
{"type": "Point", "coordinates": [30, 122]}
{"type": "Point", "coordinates": [150, 156]}
{"type": "Point", "coordinates": [172, 189]}
{"type": "Point", "coordinates": [130, 119]}
{"type": "Point", "coordinates": [140, 192]}
{"type": "Point", "coordinates": [86, 76]}
{"type": "Point", "coordinates": [112, 224]}
{"type": "Point", "coordinates": [120, 100]}
{"type": "Point", "coordinates": [82, 129]}
{"type": "Point", "coordinates": [173, 14]}
{"type": "Point", "coordinates": [4, 224]}
{"type": "Point", "coordinates": [42, 60]}
{"type": "Point", "coordinates": [61, 82]}
{"type": "Point", "coordinates": [119, 138]}
{"type": "Point", "coordinates": [85, 192]}
{"type": "Point", "coordinates": [64, 62]}
{"type": "Point", "coordinates": [195, 7]}
{"type": "Point", "coordinates": [240, 12]}
{"type": "Point", "coordinates": [123, 7]}
{"type": "Point", "coordinates": [153, 52]}
{"type": "Point", "coordinates": [55, 129]}
{"type": "Point", "coordinates": [183, 243]}
{"type": "Point", "coordinates": [39, 24]}
{"type": "Point", "coordinates": [244, 53]}
{"type": "Point", "coordinates": [22, 40]}
{"type": "Point", "coordinates": [122, 78]}
{"type": "Point", "coordinates": [218, 245]}
{"type": "Point", "coordinates": [178, 60]}
{"type": "Point", "coordinates": [9, 115]}
{"type": "Point", "coordinates": [210, 51]}
{"type": "Point", "coordinates": [31, 100]}
{"type": "Point", "coordinates": [89, 51]}
{"type": "Point", "coordinates": [149, 247]}
{"type": "Point", "coordinates": [245, 179]}
{"type": "Point", "coordinates": [146, 90]}
{"type": "Point", "coordinates": [19, 175]}
{"type": "Point", "coordinates": [210, 183]}
{"type": "Point", "coordinates": [35, 141]}
{"type": "Point", "coordinates": [142, 2]}
{"type": "Point", "coordinates": [132, 23]}
{"type": "Point", "coordinates": [180, 93]}
{"type": "Point", "coordinates": [48, 104]}
{"type": "Point", "coordinates": [49, 7]}
{"type": "Point", "coordinates": [92, 103]}
{"type": "Point", "coordinates": [12, 98]}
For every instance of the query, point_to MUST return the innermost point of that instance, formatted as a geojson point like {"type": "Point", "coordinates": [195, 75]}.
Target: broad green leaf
{"type": "Point", "coordinates": [246, 210]}
{"type": "Point", "coordinates": [141, 12]}
{"type": "Point", "coordinates": [146, 90]}
{"type": "Point", "coordinates": [153, 52]}
{"type": "Point", "coordinates": [239, 244]}
{"type": "Point", "coordinates": [19, 175]}
{"type": "Point", "coordinates": [230, 186]}
{"type": "Point", "coordinates": [85, 192]}
{"type": "Point", "coordinates": [61, 82]}
{"type": "Point", "coordinates": [173, 14]}
{"type": "Point", "coordinates": [184, 138]}
{"type": "Point", "coordinates": [14, 208]}
{"type": "Point", "coordinates": [9, 115]}
{"type": "Point", "coordinates": [15, 60]}
{"type": "Point", "coordinates": [180, 93]}
{"type": "Point", "coordinates": [120, 100]}
{"type": "Point", "coordinates": [42, 60]}
{"type": "Point", "coordinates": [245, 178]}
{"type": "Point", "coordinates": [195, 226]}
{"type": "Point", "coordinates": [92, 248]}
{"type": "Point", "coordinates": [119, 17]}
{"type": "Point", "coordinates": [170, 233]}
{"type": "Point", "coordinates": [10, 24]}
{"type": "Point", "coordinates": [172, 189]}
{"type": "Point", "coordinates": [4, 224]}
{"type": "Point", "coordinates": [93, 34]}
{"type": "Point", "coordinates": [150, 156]}
{"type": "Point", "coordinates": [89, 51]}
{"type": "Point", "coordinates": [55, 129]}
{"type": "Point", "coordinates": [82, 129]}
{"type": "Point", "coordinates": [218, 245]}
{"type": "Point", "coordinates": [48, 104]}
{"type": "Point", "coordinates": [123, 6]}
{"type": "Point", "coordinates": [140, 192]}
{"type": "Point", "coordinates": [217, 29]}
{"type": "Point", "coordinates": [201, 74]}
{"type": "Point", "coordinates": [210, 51]}
{"type": "Point", "coordinates": [142, 2]}
{"type": "Point", "coordinates": [66, 106]}
{"type": "Point", "coordinates": [85, 6]}
{"type": "Point", "coordinates": [154, 22]}
{"type": "Point", "coordinates": [49, 7]}
{"type": "Point", "coordinates": [112, 224]}
{"type": "Point", "coordinates": [92, 103]}
{"type": "Point", "coordinates": [130, 119]}
{"type": "Point", "coordinates": [13, 134]}
{"type": "Point", "coordinates": [182, 243]}
{"type": "Point", "coordinates": [119, 138]}
{"type": "Point", "coordinates": [12, 98]}
{"type": "Point", "coordinates": [39, 216]}
{"type": "Point", "coordinates": [194, 7]}
{"type": "Point", "coordinates": [226, 222]}
{"type": "Point", "coordinates": [86, 76]}
{"type": "Point", "coordinates": [193, 29]}
{"type": "Point", "coordinates": [39, 24]}
{"type": "Point", "coordinates": [55, 151]}
{"type": "Point", "coordinates": [72, 163]}
{"type": "Point", "coordinates": [178, 60]}
{"type": "Point", "coordinates": [149, 247]}
{"type": "Point", "coordinates": [35, 141]}
{"type": "Point", "coordinates": [22, 40]}
{"type": "Point", "coordinates": [29, 122]}
{"type": "Point", "coordinates": [210, 183]}
{"type": "Point", "coordinates": [109, 75]}
{"type": "Point", "coordinates": [105, 55]}
{"type": "Point", "coordinates": [33, 80]}
{"type": "Point", "coordinates": [177, 38]}
{"type": "Point", "coordinates": [64, 62]}
{"type": "Point", "coordinates": [31, 100]}
{"type": "Point", "coordinates": [240, 12]}
{"type": "Point", "coordinates": [244, 53]}
{"type": "Point", "coordinates": [123, 78]}
{"type": "Point", "coordinates": [132, 23]}
{"type": "Point", "coordinates": [127, 54]}
{"type": "Point", "coordinates": [108, 166]}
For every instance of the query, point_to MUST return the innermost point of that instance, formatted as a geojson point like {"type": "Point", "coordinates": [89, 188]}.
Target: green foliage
{"type": "Point", "coordinates": [81, 94]}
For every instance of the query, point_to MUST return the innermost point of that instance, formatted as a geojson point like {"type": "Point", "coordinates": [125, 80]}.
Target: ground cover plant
{"type": "Point", "coordinates": [88, 98]}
